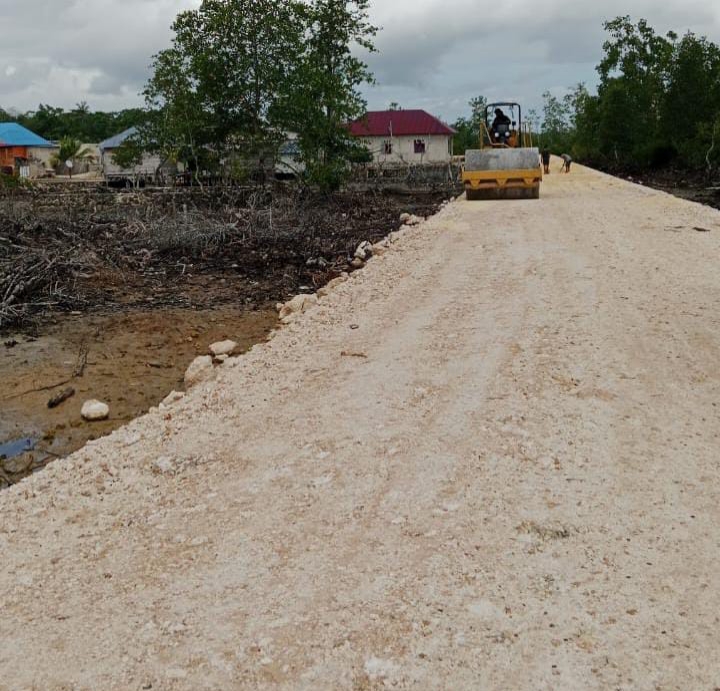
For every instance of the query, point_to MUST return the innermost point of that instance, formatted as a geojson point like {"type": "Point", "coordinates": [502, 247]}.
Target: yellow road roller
{"type": "Point", "coordinates": [507, 165]}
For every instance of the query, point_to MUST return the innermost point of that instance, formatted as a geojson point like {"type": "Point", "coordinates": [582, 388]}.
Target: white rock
{"type": "Point", "coordinates": [298, 305]}
{"type": "Point", "coordinates": [95, 410]}
{"type": "Point", "coordinates": [404, 218]}
{"type": "Point", "coordinates": [357, 263]}
{"type": "Point", "coordinates": [364, 250]}
{"type": "Point", "coordinates": [413, 221]}
{"type": "Point", "coordinates": [223, 348]}
{"type": "Point", "coordinates": [200, 369]}
{"type": "Point", "coordinates": [173, 397]}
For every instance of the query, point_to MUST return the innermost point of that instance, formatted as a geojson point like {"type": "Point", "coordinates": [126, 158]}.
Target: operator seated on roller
{"type": "Point", "coordinates": [500, 126]}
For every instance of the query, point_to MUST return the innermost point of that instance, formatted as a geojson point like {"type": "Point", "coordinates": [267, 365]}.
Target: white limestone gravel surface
{"type": "Point", "coordinates": [488, 460]}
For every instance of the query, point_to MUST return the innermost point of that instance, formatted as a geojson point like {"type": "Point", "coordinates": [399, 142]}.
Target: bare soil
{"type": "Point", "coordinates": [133, 360]}
{"type": "Point", "coordinates": [489, 460]}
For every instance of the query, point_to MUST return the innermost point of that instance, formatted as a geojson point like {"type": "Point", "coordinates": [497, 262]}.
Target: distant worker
{"type": "Point", "coordinates": [500, 124]}
{"type": "Point", "coordinates": [567, 160]}
{"type": "Point", "coordinates": [546, 160]}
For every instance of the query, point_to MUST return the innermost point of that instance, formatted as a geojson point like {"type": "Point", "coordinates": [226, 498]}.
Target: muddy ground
{"type": "Point", "coordinates": [131, 361]}
{"type": "Point", "coordinates": [129, 287]}
{"type": "Point", "coordinates": [694, 186]}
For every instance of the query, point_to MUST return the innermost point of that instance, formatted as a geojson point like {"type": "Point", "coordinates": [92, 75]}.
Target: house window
{"type": "Point", "coordinates": [387, 147]}
{"type": "Point", "coordinates": [419, 146]}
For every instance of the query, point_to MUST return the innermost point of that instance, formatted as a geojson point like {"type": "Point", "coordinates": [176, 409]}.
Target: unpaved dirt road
{"type": "Point", "coordinates": [509, 481]}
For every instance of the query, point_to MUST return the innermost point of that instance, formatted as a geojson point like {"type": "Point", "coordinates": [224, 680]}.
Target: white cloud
{"type": "Point", "coordinates": [435, 54]}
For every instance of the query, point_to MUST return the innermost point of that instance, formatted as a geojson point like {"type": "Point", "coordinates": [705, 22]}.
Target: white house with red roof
{"type": "Point", "coordinates": [405, 136]}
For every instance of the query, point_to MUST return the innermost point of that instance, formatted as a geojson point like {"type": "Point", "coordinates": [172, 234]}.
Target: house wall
{"type": "Point", "coordinates": [8, 154]}
{"type": "Point", "coordinates": [39, 158]}
{"type": "Point", "coordinates": [148, 168]}
{"type": "Point", "coordinates": [437, 149]}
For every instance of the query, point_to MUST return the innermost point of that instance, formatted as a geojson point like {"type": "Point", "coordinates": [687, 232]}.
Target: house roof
{"type": "Point", "coordinates": [118, 139]}
{"type": "Point", "coordinates": [399, 123]}
{"type": "Point", "coordinates": [12, 134]}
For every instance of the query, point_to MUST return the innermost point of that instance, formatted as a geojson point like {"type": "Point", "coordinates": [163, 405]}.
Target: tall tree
{"type": "Point", "coordinates": [179, 125]}
{"type": "Point", "coordinates": [229, 60]}
{"type": "Point", "coordinates": [691, 104]}
{"type": "Point", "coordinates": [322, 94]}
{"type": "Point", "coordinates": [633, 75]}
{"type": "Point", "coordinates": [556, 125]}
{"type": "Point", "coordinates": [468, 127]}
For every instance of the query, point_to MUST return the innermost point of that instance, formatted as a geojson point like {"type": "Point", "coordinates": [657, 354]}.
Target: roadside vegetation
{"type": "Point", "coordinates": [79, 123]}
{"type": "Point", "coordinates": [241, 74]}
{"type": "Point", "coordinates": [657, 105]}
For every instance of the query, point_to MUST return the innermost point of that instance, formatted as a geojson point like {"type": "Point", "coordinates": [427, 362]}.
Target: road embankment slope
{"type": "Point", "coordinates": [487, 461]}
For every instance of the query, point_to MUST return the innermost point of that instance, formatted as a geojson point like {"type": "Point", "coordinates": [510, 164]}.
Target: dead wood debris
{"type": "Point", "coordinates": [72, 249]}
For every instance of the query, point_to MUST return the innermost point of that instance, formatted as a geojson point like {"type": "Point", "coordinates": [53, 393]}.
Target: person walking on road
{"type": "Point", "coordinates": [545, 155]}
{"type": "Point", "coordinates": [567, 161]}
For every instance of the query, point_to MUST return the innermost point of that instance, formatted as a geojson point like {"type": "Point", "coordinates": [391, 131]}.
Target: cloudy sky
{"type": "Point", "coordinates": [434, 54]}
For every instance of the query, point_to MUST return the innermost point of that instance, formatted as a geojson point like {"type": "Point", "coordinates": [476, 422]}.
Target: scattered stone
{"type": "Point", "coordinates": [413, 221]}
{"type": "Point", "coordinates": [93, 411]}
{"type": "Point", "coordinates": [223, 348]}
{"type": "Point", "coordinates": [357, 264]}
{"type": "Point", "coordinates": [19, 464]}
{"type": "Point", "coordinates": [331, 285]}
{"type": "Point", "coordinates": [364, 251]}
{"type": "Point", "coordinates": [200, 369]}
{"type": "Point", "coordinates": [298, 305]}
{"type": "Point", "coordinates": [163, 465]}
{"type": "Point", "coordinates": [221, 358]}
{"type": "Point", "coordinates": [173, 397]}
{"type": "Point", "coordinates": [404, 218]}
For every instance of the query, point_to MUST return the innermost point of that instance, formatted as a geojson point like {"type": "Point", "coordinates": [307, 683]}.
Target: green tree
{"type": "Point", "coordinates": [468, 128]}
{"type": "Point", "coordinates": [70, 150]}
{"type": "Point", "coordinates": [556, 130]}
{"type": "Point", "coordinates": [322, 94]}
{"type": "Point", "coordinates": [229, 61]}
{"type": "Point", "coordinates": [692, 99]}
{"type": "Point", "coordinates": [179, 124]}
{"type": "Point", "coordinates": [633, 75]}
{"type": "Point", "coordinates": [129, 155]}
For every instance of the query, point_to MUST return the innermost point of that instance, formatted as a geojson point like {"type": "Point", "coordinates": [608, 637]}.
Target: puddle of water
{"type": "Point", "coordinates": [14, 448]}
{"type": "Point", "coordinates": [134, 360]}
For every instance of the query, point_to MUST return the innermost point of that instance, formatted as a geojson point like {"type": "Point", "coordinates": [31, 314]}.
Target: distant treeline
{"type": "Point", "coordinates": [79, 123]}
{"type": "Point", "coordinates": [657, 105]}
